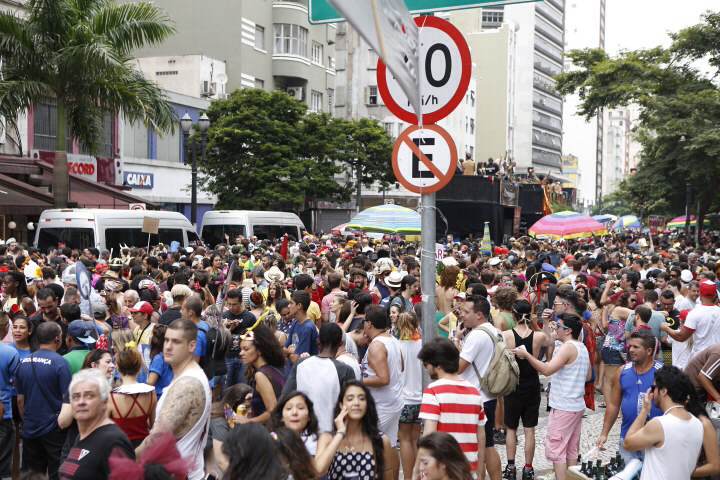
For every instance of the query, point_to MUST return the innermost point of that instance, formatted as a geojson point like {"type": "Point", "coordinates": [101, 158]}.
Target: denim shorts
{"type": "Point", "coordinates": [610, 356]}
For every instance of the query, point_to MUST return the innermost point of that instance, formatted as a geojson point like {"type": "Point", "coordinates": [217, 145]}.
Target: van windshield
{"type": "Point", "coordinates": [72, 237]}
{"type": "Point", "coordinates": [134, 237]}
{"type": "Point", "coordinates": [273, 232]}
{"type": "Point", "coordinates": [215, 234]}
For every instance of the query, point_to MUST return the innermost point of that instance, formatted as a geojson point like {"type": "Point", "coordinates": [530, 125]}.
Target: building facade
{"type": "Point", "coordinates": [616, 157]}
{"type": "Point", "coordinates": [518, 49]}
{"type": "Point", "coordinates": [196, 76]}
{"type": "Point", "coordinates": [264, 43]}
{"type": "Point", "coordinates": [585, 28]}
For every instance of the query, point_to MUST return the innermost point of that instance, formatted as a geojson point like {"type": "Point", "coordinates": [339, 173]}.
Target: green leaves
{"type": "Point", "coordinates": [79, 52]}
{"type": "Point", "coordinates": [267, 152]}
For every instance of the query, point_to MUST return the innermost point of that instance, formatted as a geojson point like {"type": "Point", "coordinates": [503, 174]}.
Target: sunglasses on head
{"type": "Point", "coordinates": [248, 336]}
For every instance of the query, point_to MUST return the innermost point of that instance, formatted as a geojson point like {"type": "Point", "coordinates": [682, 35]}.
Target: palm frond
{"type": "Point", "coordinates": [131, 26]}
{"type": "Point", "coordinates": [17, 96]}
{"type": "Point", "coordinates": [14, 37]}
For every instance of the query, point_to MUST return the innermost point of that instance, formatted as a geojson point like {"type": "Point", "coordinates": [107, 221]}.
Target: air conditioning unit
{"type": "Point", "coordinates": [207, 89]}
{"type": "Point", "coordinates": [2, 130]}
{"type": "Point", "coordinates": [295, 92]}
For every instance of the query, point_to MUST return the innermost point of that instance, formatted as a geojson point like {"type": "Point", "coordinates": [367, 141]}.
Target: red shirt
{"type": "Point", "coordinates": [456, 406]}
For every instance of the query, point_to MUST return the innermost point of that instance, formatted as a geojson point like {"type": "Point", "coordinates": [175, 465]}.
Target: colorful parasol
{"type": "Point", "coordinates": [605, 218]}
{"type": "Point", "coordinates": [386, 219]}
{"type": "Point", "coordinates": [566, 225]}
{"type": "Point", "coordinates": [627, 222]}
{"type": "Point", "coordinates": [679, 222]}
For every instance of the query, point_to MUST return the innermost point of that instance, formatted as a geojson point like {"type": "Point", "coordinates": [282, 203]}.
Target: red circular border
{"type": "Point", "coordinates": [453, 158]}
{"type": "Point", "coordinates": [465, 60]}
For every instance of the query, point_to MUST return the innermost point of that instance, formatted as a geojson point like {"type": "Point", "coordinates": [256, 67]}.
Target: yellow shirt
{"type": "Point", "coordinates": [313, 312]}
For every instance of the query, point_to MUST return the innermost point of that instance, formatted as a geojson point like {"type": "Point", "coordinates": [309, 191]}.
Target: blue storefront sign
{"type": "Point", "coordinates": [138, 179]}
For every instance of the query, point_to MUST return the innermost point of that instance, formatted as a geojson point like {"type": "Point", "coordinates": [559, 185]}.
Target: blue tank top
{"type": "Point", "coordinates": [634, 387]}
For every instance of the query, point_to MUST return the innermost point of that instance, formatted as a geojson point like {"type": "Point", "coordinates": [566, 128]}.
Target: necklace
{"type": "Point", "coordinates": [674, 406]}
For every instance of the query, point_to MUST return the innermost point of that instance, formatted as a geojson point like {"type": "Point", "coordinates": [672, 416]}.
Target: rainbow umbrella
{"type": "Point", "coordinates": [566, 225]}
{"type": "Point", "coordinates": [627, 222]}
{"type": "Point", "coordinates": [679, 222]}
{"type": "Point", "coordinates": [605, 219]}
{"type": "Point", "coordinates": [386, 219]}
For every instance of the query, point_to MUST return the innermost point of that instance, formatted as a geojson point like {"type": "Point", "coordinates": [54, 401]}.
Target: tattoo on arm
{"type": "Point", "coordinates": [182, 408]}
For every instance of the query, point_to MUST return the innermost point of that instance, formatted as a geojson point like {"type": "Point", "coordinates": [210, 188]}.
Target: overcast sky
{"type": "Point", "coordinates": [632, 24]}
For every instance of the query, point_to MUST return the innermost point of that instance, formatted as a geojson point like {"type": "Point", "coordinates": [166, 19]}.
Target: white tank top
{"type": "Point", "coordinates": [192, 444]}
{"type": "Point", "coordinates": [388, 398]}
{"type": "Point", "coordinates": [412, 376]}
{"type": "Point", "coordinates": [677, 458]}
{"type": "Point", "coordinates": [567, 385]}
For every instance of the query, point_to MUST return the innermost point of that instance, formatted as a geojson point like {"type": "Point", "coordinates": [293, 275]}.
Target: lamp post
{"type": "Point", "coordinates": [190, 146]}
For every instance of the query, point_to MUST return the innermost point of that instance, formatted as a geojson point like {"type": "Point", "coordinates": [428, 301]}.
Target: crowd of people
{"type": "Point", "coordinates": [305, 359]}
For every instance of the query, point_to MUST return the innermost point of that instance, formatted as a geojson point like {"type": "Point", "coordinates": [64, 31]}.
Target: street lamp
{"type": "Point", "coordinates": [190, 146]}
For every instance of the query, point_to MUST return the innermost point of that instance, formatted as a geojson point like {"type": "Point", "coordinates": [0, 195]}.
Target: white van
{"type": "Point", "coordinates": [106, 229]}
{"type": "Point", "coordinates": [264, 225]}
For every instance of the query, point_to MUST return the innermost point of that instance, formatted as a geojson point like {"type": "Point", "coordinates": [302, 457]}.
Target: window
{"type": "Point", "coordinates": [317, 53]}
{"type": "Point", "coordinates": [72, 237]}
{"type": "Point", "coordinates": [135, 236]}
{"type": "Point", "coordinates": [549, 47]}
{"type": "Point", "coordinates": [331, 62]}
{"type": "Point", "coordinates": [165, 73]}
{"type": "Point", "coordinates": [372, 59]}
{"type": "Point", "coordinates": [371, 98]}
{"type": "Point", "coordinates": [259, 83]}
{"type": "Point", "coordinates": [192, 236]}
{"type": "Point", "coordinates": [290, 39]}
{"type": "Point", "coordinates": [389, 127]}
{"type": "Point", "coordinates": [316, 101]}
{"type": "Point", "coordinates": [45, 131]}
{"type": "Point", "coordinates": [259, 37]}
{"type": "Point", "coordinates": [273, 232]}
{"type": "Point", "coordinates": [472, 126]}
{"type": "Point", "coordinates": [214, 234]}
{"type": "Point", "coordinates": [492, 16]}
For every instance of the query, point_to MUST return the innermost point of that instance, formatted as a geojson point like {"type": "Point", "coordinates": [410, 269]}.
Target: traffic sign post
{"type": "Point", "coordinates": [424, 158]}
{"type": "Point", "coordinates": [445, 67]}
{"type": "Point", "coordinates": [321, 11]}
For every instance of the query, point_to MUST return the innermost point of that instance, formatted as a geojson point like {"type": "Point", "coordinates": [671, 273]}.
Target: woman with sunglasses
{"type": "Point", "coordinates": [263, 357]}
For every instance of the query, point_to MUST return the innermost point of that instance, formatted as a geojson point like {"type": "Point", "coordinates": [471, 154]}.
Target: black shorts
{"type": "Point", "coordinates": [523, 405]}
{"type": "Point", "coordinates": [489, 408]}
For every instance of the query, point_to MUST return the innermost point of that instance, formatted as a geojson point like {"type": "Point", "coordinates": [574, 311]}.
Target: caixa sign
{"type": "Point", "coordinates": [138, 179]}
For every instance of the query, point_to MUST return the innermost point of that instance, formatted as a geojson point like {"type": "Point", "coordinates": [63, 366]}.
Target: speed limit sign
{"type": "Point", "coordinates": [444, 70]}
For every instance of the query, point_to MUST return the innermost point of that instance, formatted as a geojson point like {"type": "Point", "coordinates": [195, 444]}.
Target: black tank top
{"type": "Point", "coordinates": [529, 378]}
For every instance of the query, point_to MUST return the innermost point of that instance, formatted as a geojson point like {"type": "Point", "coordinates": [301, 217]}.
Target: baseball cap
{"type": "Point", "coordinates": [142, 307]}
{"type": "Point", "coordinates": [99, 310]}
{"type": "Point", "coordinates": [82, 331]}
{"type": "Point", "coordinates": [708, 289]}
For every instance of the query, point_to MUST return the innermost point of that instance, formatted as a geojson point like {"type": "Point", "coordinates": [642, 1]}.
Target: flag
{"type": "Point", "coordinates": [83, 279]}
{"type": "Point", "coordinates": [388, 27]}
{"type": "Point", "coordinates": [284, 247]}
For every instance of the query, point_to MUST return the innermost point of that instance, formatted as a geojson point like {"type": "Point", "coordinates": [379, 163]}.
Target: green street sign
{"type": "Point", "coordinates": [322, 12]}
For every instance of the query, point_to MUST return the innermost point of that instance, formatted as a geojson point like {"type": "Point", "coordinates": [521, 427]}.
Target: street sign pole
{"type": "Point", "coordinates": [428, 267]}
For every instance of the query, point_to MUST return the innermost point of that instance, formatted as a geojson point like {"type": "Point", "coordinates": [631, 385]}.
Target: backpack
{"type": "Point", "coordinates": [503, 374]}
{"type": "Point", "coordinates": [218, 344]}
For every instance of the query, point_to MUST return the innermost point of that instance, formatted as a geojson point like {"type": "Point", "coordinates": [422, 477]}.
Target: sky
{"type": "Point", "coordinates": [633, 24]}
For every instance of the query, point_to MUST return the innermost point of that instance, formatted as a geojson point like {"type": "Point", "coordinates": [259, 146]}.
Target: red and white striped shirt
{"type": "Point", "coordinates": [456, 406]}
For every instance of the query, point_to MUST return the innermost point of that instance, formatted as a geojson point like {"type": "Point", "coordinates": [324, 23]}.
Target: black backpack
{"type": "Point", "coordinates": [218, 344]}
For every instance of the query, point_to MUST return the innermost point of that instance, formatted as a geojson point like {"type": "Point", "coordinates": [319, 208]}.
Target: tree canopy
{"type": "Point", "coordinates": [266, 151]}
{"type": "Point", "coordinates": [79, 54]}
{"type": "Point", "coordinates": [679, 123]}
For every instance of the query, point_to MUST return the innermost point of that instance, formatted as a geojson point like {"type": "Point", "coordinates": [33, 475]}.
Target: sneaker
{"type": "Point", "coordinates": [510, 472]}
{"type": "Point", "coordinates": [499, 437]}
{"type": "Point", "coordinates": [528, 473]}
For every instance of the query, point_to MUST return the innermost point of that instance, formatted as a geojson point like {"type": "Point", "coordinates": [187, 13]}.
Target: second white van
{"type": "Point", "coordinates": [216, 224]}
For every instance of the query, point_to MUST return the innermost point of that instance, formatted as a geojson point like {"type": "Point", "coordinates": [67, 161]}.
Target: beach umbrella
{"type": "Point", "coordinates": [627, 222]}
{"type": "Point", "coordinates": [679, 222]}
{"type": "Point", "coordinates": [605, 218]}
{"type": "Point", "coordinates": [566, 225]}
{"type": "Point", "coordinates": [386, 219]}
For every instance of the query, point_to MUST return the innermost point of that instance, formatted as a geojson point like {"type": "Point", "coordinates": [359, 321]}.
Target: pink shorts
{"type": "Point", "coordinates": [563, 436]}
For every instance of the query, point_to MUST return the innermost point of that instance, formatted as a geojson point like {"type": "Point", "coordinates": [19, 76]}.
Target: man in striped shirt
{"type": "Point", "coordinates": [451, 404]}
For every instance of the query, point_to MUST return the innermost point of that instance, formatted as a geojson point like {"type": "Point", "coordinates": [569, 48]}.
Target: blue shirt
{"type": "Point", "coordinates": [163, 371]}
{"type": "Point", "coordinates": [201, 344]}
{"type": "Point", "coordinates": [43, 388]}
{"type": "Point", "coordinates": [9, 361]}
{"type": "Point", "coordinates": [304, 336]}
{"type": "Point", "coordinates": [633, 388]}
